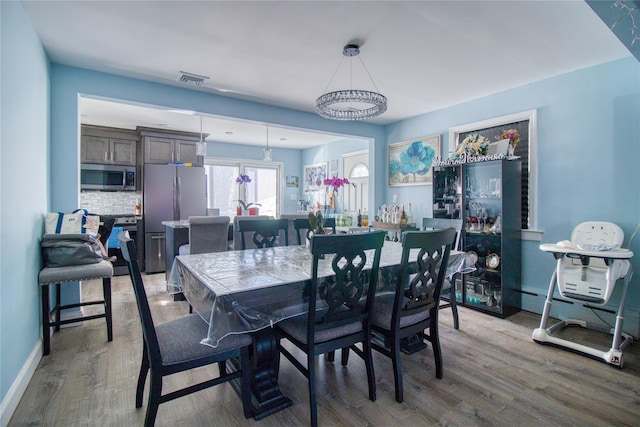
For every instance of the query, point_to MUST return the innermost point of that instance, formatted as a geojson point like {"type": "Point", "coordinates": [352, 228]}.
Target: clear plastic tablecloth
{"type": "Point", "coordinates": [244, 291]}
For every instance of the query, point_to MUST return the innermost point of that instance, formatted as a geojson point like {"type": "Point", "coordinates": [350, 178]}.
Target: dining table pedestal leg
{"type": "Point", "coordinates": [412, 344]}
{"type": "Point", "coordinates": [265, 361]}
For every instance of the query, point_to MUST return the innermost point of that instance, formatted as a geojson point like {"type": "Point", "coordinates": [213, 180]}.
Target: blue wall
{"type": "Point", "coordinates": [588, 157]}
{"type": "Point", "coordinates": [24, 190]}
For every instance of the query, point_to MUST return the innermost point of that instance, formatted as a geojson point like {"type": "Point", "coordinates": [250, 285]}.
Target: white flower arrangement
{"type": "Point", "coordinates": [473, 145]}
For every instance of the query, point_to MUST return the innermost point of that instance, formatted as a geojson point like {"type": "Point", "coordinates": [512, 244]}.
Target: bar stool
{"type": "Point", "coordinates": [59, 275]}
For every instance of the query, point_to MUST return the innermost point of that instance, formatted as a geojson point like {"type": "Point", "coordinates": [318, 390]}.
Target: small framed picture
{"type": "Point", "coordinates": [292, 181]}
{"type": "Point", "coordinates": [314, 175]}
{"type": "Point", "coordinates": [410, 161]}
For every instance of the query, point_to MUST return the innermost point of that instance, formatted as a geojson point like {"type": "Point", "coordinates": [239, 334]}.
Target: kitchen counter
{"type": "Point", "coordinates": [176, 235]}
{"type": "Point", "coordinates": [184, 223]}
{"type": "Point", "coordinates": [344, 229]}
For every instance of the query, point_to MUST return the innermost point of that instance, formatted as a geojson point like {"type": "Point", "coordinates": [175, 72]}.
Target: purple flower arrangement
{"type": "Point", "coordinates": [243, 179]}
{"type": "Point", "coordinates": [335, 183]}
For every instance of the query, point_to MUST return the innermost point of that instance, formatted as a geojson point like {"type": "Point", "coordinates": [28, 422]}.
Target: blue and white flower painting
{"type": "Point", "coordinates": [410, 162]}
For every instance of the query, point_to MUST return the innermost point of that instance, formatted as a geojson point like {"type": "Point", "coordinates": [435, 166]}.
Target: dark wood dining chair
{"type": "Point", "coordinates": [339, 307]}
{"type": "Point", "coordinates": [330, 223]}
{"type": "Point", "coordinates": [448, 294]}
{"type": "Point", "coordinates": [174, 347]}
{"type": "Point", "coordinates": [413, 307]}
{"type": "Point", "coordinates": [302, 225]}
{"type": "Point", "coordinates": [236, 243]}
{"type": "Point", "coordinates": [265, 232]}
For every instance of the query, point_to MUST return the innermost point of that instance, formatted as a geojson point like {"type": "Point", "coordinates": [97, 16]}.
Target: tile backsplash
{"type": "Point", "coordinates": [110, 202]}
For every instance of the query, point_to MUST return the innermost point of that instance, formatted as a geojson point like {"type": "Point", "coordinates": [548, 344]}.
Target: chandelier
{"type": "Point", "coordinates": [351, 104]}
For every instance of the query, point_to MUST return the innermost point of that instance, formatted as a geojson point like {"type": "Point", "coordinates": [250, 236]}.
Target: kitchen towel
{"type": "Point", "coordinates": [113, 241]}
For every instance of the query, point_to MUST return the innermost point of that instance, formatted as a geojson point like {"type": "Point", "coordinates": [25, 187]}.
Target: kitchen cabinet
{"type": "Point", "coordinates": [165, 150]}
{"type": "Point", "coordinates": [162, 147]}
{"type": "Point", "coordinates": [486, 195]}
{"type": "Point", "coordinates": [109, 146]}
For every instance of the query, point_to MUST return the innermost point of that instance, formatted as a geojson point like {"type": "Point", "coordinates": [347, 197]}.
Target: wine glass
{"type": "Point", "coordinates": [484, 219]}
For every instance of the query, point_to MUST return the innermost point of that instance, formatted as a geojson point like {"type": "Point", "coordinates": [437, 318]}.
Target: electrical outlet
{"type": "Point", "coordinates": [395, 198]}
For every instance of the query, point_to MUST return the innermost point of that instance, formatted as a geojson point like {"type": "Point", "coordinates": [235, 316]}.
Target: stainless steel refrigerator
{"type": "Point", "coordinates": [170, 193]}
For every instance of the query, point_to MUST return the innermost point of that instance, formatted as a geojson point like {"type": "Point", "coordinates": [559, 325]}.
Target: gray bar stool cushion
{"type": "Point", "coordinates": [51, 275]}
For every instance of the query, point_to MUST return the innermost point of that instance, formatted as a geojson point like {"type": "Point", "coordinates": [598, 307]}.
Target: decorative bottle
{"type": "Point", "coordinates": [409, 215]}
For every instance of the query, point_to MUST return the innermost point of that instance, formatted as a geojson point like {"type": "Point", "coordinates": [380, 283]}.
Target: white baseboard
{"type": "Point", "coordinates": [17, 389]}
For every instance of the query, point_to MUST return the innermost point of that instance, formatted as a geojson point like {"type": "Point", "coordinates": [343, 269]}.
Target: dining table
{"type": "Point", "coordinates": [248, 291]}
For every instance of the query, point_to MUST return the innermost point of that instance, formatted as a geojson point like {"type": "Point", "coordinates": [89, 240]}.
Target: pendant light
{"type": "Point", "coordinates": [351, 104]}
{"type": "Point", "coordinates": [267, 151]}
{"type": "Point", "coordinates": [201, 146]}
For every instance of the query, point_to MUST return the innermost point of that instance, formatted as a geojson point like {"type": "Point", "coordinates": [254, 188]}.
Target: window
{"type": "Point", "coordinates": [223, 192]}
{"type": "Point", "coordinates": [526, 123]}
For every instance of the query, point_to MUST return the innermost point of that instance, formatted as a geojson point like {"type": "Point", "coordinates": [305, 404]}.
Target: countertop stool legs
{"type": "Point", "coordinates": [46, 315]}
{"type": "Point", "coordinates": [59, 275]}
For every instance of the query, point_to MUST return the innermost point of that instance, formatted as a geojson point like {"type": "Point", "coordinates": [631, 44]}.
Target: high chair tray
{"type": "Point", "coordinates": [616, 253]}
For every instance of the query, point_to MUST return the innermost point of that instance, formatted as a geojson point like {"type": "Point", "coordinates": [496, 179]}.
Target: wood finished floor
{"type": "Point", "coordinates": [494, 375]}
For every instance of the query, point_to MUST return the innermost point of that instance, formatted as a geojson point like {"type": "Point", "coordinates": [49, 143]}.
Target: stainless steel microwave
{"type": "Point", "coordinates": [107, 177]}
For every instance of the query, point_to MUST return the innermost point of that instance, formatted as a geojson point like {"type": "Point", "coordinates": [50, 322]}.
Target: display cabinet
{"type": "Point", "coordinates": [447, 192]}
{"type": "Point", "coordinates": [487, 196]}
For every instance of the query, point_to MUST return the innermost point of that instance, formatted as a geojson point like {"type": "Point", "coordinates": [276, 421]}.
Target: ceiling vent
{"type": "Point", "coordinates": [191, 79]}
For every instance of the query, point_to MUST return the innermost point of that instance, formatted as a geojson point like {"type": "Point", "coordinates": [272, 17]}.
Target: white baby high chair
{"type": "Point", "coordinates": [587, 270]}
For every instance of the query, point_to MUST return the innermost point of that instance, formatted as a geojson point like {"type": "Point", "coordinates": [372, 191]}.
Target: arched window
{"type": "Point", "coordinates": [359, 171]}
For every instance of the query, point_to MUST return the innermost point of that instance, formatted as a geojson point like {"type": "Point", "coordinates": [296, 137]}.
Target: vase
{"type": "Point", "coordinates": [238, 210]}
{"type": "Point", "coordinates": [308, 240]}
{"type": "Point", "coordinates": [310, 236]}
{"type": "Point", "coordinates": [511, 150]}
{"type": "Point", "coordinates": [254, 211]}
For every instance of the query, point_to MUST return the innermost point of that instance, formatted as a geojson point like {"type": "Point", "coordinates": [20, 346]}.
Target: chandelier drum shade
{"type": "Point", "coordinates": [351, 104]}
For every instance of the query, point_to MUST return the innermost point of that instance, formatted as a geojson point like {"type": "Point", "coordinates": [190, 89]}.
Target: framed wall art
{"type": "Point", "coordinates": [313, 177]}
{"type": "Point", "coordinates": [292, 181]}
{"type": "Point", "coordinates": [410, 161]}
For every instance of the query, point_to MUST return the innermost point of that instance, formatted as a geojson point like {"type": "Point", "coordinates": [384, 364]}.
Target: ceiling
{"type": "Point", "coordinates": [422, 55]}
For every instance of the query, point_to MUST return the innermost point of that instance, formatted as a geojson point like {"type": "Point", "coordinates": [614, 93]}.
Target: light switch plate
{"type": "Point", "coordinates": [395, 198]}
{"type": "Point", "coordinates": [293, 197]}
